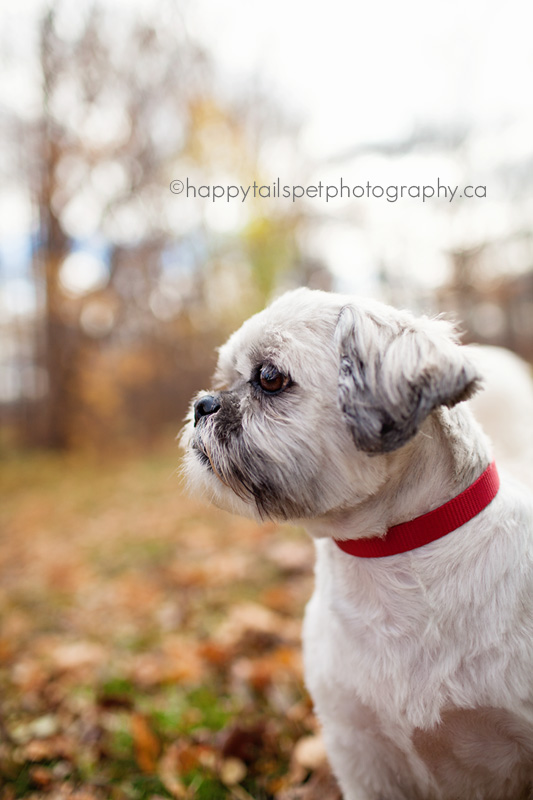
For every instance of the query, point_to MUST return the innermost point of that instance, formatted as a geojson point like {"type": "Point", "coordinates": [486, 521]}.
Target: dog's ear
{"type": "Point", "coordinates": [394, 372]}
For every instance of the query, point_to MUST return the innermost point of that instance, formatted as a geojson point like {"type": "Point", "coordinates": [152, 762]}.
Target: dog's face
{"type": "Point", "coordinates": [312, 398]}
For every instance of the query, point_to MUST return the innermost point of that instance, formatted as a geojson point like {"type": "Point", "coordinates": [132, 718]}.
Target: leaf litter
{"type": "Point", "coordinates": [150, 646]}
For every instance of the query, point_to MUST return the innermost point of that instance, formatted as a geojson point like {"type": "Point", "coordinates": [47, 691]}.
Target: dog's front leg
{"type": "Point", "coordinates": [370, 759]}
{"type": "Point", "coordinates": [354, 764]}
{"type": "Point", "coordinates": [367, 764]}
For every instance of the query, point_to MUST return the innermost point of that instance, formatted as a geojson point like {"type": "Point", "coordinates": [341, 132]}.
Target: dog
{"type": "Point", "coordinates": [349, 417]}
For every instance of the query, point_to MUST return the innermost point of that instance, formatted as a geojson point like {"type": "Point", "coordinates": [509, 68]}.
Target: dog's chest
{"type": "Point", "coordinates": [409, 642]}
{"type": "Point", "coordinates": [376, 635]}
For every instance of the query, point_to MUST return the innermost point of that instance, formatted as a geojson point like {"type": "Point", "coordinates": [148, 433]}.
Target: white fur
{"type": "Point", "coordinates": [420, 665]}
{"type": "Point", "coordinates": [505, 408]}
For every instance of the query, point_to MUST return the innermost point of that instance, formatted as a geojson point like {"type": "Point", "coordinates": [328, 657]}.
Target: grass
{"type": "Point", "coordinates": [150, 644]}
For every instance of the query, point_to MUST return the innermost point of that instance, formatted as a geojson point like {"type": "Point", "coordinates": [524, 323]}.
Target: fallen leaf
{"type": "Point", "coordinates": [321, 786]}
{"type": "Point", "coordinates": [74, 655]}
{"type": "Point", "coordinates": [260, 673]}
{"type": "Point", "coordinates": [246, 617]}
{"type": "Point", "coordinates": [178, 662]}
{"type": "Point", "coordinates": [244, 742]}
{"type": "Point", "coordinates": [232, 771]}
{"type": "Point", "coordinates": [29, 676]}
{"type": "Point", "coordinates": [145, 743]}
{"type": "Point", "coordinates": [43, 727]}
{"type": "Point", "coordinates": [310, 752]}
{"type": "Point", "coordinates": [41, 777]}
{"type": "Point", "coordinates": [183, 662]}
{"type": "Point", "coordinates": [168, 772]}
{"type": "Point", "coordinates": [279, 598]}
{"type": "Point", "coordinates": [215, 653]}
{"type": "Point", "coordinates": [7, 650]}
{"type": "Point", "coordinates": [49, 749]}
{"type": "Point", "coordinates": [188, 758]}
{"type": "Point", "coordinates": [293, 556]}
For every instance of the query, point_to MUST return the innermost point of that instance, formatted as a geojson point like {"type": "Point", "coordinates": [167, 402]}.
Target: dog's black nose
{"type": "Point", "coordinates": [205, 406]}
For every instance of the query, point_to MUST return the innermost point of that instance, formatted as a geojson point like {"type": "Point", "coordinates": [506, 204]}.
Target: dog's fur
{"type": "Point", "coordinates": [420, 665]}
{"type": "Point", "coordinates": [505, 408]}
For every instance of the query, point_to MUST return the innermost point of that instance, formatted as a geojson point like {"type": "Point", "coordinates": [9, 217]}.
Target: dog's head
{"type": "Point", "coordinates": [310, 398]}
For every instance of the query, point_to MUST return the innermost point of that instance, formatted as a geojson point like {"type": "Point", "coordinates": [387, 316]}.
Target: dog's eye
{"type": "Point", "coordinates": [272, 380]}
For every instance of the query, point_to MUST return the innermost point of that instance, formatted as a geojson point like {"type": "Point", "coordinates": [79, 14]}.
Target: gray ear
{"type": "Point", "coordinates": [394, 370]}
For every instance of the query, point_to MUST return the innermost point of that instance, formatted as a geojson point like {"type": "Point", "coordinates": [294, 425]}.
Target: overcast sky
{"type": "Point", "coordinates": [371, 71]}
{"type": "Point", "coordinates": [353, 71]}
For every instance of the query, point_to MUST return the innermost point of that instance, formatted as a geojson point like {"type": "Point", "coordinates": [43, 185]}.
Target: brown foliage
{"type": "Point", "coordinates": [150, 646]}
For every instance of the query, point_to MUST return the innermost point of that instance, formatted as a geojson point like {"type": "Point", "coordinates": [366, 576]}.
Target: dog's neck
{"type": "Point", "coordinates": [446, 457]}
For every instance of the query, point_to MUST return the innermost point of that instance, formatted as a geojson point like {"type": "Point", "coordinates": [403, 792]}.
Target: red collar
{"type": "Point", "coordinates": [431, 526]}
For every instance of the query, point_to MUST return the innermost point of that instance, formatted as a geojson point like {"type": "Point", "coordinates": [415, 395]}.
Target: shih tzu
{"type": "Point", "coordinates": [346, 415]}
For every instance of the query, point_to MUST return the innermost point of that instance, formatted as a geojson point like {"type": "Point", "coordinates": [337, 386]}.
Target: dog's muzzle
{"type": "Point", "coordinates": [205, 406]}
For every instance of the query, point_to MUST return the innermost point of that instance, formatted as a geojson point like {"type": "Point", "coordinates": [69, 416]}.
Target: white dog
{"type": "Point", "coordinates": [346, 415]}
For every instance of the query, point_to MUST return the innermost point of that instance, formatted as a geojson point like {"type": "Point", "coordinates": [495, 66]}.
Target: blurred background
{"type": "Point", "coordinates": [136, 651]}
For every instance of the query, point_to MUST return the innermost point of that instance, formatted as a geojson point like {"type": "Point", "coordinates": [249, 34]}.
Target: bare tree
{"type": "Point", "coordinates": [118, 109]}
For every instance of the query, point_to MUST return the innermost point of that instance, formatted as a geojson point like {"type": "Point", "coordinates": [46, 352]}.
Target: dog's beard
{"type": "Point", "coordinates": [271, 483]}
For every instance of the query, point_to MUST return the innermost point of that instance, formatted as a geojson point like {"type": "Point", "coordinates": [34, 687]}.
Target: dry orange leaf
{"type": "Point", "coordinates": [41, 777]}
{"type": "Point", "coordinates": [278, 598]}
{"type": "Point", "coordinates": [215, 653]}
{"type": "Point", "coordinates": [169, 772]}
{"type": "Point", "coordinates": [261, 672]}
{"type": "Point", "coordinates": [145, 743]}
{"type": "Point", "coordinates": [51, 748]}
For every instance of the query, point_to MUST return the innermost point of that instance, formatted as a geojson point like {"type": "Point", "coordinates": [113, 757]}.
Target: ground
{"type": "Point", "coordinates": [150, 645]}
